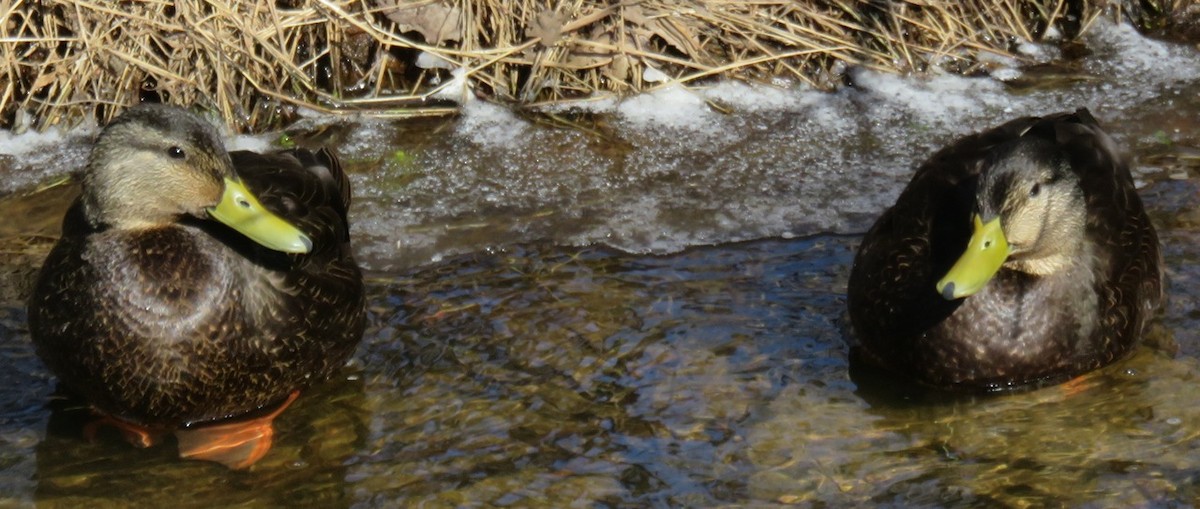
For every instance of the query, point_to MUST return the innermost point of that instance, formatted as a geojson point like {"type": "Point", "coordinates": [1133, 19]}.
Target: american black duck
{"type": "Point", "coordinates": [1019, 255]}
{"type": "Point", "coordinates": [197, 289]}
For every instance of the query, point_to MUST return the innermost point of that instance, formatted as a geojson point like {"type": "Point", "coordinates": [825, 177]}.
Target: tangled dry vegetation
{"type": "Point", "coordinates": [256, 62]}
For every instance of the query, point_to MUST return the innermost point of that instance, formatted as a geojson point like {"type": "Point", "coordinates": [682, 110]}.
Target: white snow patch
{"type": "Point", "coordinates": [653, 75]}
{"type": "Point", "coordinates": [1031, 49]}
{"type": "Point", "coordinates": [490, 125]}
{"type": "Point", "coordinates": [306, 112]}
{"type": "Point", "coordinates": [671, 106]}
{"type": "Point", "coordinates": [598, 103]}
{"type": "Point", "coordinates": [255, 143]}
{"type": "Point", "coordinates": [1131, 54]}
{"type": "Point", "coordinates": [1052, 34]}
{"type": "Point", "coordinates": [1005, 73]}
{"type": "Point", "coordinates": [427, 60]}
{"type": "Point", "coordinates": [27, 142]}
{"type": "Point", "coordinates": [457, 89]}
{"type": "Point", "coordinates": [997, 60]}
{"type": "Point", "coordinates": [754, 98]}
{"type": "Point", "coordinates": [941, 99]}
{"type": "Point", "coordinates": [33, 157]}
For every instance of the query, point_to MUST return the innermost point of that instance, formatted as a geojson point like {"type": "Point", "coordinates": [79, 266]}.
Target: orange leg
{"type": "Point", "coordinates": [136, 434]}
{"type": "Point", "coordinates": [236, 443]}
{"type": "Point", "coordinates": [1078, 384]}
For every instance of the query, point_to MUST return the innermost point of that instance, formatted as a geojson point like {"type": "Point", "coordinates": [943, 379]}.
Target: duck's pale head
{"type": "Point", "coordinates": [156, 163]}
{"type": "Point", "coordinates": [153, 164]}
{"type": "Point", "coordinates": [1030, 217]}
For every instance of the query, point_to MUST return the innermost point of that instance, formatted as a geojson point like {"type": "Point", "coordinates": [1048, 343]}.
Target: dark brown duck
{"type": "Point", "coordinates": [1019, 255]}
{"type": "Point", "coordinates": [192, 285]}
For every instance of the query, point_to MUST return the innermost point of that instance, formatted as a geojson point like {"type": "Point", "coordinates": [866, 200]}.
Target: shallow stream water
{"type": "Point", "coordinates": [644, 306]}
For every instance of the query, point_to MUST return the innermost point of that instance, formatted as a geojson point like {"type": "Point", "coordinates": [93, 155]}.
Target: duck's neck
{"type": "Point", "coordinates": [103, 215]}
{"type": "Point", "coordinates": [1054, 262]}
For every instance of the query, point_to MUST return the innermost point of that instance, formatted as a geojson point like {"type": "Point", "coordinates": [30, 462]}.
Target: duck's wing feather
{"type": "Point", "coordinates": [308, 189]}
{"type": "Point", "coordinates": [314, 300]}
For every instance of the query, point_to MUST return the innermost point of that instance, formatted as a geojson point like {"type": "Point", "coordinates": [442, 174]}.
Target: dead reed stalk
{"type": "Point", "coordinates": [258, 63]}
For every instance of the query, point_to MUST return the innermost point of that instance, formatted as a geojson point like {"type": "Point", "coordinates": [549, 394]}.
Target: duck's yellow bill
{"type": "Point", "coordinates": [986, 252]}
{"type": "Point", "coordinates": [240, 210]}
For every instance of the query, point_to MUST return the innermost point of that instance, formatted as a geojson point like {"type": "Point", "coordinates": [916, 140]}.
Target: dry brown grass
{"type": "Point", "coordinates": [257, 62]}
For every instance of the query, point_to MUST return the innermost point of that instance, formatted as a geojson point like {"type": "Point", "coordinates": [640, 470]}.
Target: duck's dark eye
{"type": "Point", "coordinates": [1033, 191]}
{"type": "Point", "coordinates": [176, 152]}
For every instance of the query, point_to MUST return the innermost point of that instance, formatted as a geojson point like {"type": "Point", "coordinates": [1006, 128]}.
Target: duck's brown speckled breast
{"type": "Point", "coordinates": [1020, 328]}
{"type": "Point", "coordinates": [152, 326]}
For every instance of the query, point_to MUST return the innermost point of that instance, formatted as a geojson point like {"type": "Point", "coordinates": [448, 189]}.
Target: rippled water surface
{"type": "Point", "coordinates": [580, 310]}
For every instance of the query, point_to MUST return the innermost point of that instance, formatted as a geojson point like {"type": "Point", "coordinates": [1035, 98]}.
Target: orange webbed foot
{"type": "Point", "coordinates": [1079, 384]}
{"type": "Point", "coordinates": [136, 434]}
{"type": "Point", "coordinates": [236, 443]}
